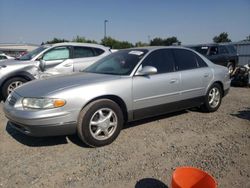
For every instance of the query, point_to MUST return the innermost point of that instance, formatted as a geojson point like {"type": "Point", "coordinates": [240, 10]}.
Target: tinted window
{"type": "Point", "coordinates": [162, 60]}
{"type": "Point", "coordinates": [201, 49]}
{"type": "Point", "coordinates": [80, 52]}
{"type": "Point", "coordinates": [3, 57]}
{"type": "Point", "coordinates": [185, 59]}
{"type": "Point", "coordinates": [200, 61]}
{"type": "Point", "coordinates": [231, 49]}
{"type": "Point", "coordinates": [222, 50]}
{"type": "Point", "coordinates": [213, 50]}
{"type": "Point", "coordinates": [56, 54]}
{"type": "Point", "coordinates": [98, 51]}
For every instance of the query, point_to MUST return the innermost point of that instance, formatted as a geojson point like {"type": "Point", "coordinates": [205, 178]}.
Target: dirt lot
{"type": "Point", "coordinates": [144, 155]}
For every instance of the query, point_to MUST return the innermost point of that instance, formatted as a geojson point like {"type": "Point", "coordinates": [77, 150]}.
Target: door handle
{"type": "Point", "coordinates": [68, 65]}
{"type": "Point", "coordinates": [206, 75]}
{"type": "Point", "coordinates": [172, 81]}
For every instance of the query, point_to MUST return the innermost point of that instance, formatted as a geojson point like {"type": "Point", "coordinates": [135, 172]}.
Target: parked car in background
{"type": "Point", "coordinates": [53, 59]}
{"type": "Point", "coordinates": [125, 86]}
{"type": "Point", "coordinates": [5, 57]}
{"type": "Point", "coordinates": [221, 54]}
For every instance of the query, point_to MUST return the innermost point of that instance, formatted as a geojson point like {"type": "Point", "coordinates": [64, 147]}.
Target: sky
{"type": "Point", "coordinates": [191, 21]}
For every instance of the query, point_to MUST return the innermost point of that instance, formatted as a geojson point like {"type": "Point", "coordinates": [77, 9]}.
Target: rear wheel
{"type": "Point", "coordinates": [11, 84]}
{"type": "Point", "coordinates": [212, 98]}
{"type": "Point", "coordinates": [100, 122]}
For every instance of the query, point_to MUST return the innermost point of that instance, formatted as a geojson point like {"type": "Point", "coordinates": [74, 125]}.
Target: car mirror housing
{"type": "Point", "coordinates": [42, 64]}
{"type": "Point", "coordinates": [147, 70]}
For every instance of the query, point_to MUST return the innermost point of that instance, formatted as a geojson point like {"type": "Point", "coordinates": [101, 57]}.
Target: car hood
{"type": "Point", "coordinates": [45, 87]}
{"type": "Point", "coordinates": [14, 62]}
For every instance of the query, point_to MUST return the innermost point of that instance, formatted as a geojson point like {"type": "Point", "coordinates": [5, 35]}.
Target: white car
{"type": "Point", "coordinates": [48, 60]}
{"type": "Point", "coordinates": [5, 57]}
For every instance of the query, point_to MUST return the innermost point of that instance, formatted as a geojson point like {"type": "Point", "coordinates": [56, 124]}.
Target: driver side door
{"type": "Point", "coordinates": [154, 94]}
{"type": "Point", "coordinates": [58, 58]}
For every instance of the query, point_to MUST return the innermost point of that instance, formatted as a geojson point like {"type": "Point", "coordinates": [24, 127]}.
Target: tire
{"type": "Point", "coordinates": [107, 121]}
{"type": "Point", "coordinates": [231, 68]}
{"type": "Point", "coordinates": [213, 98]}
{"type": "Point", "coordinates": [10, 85]}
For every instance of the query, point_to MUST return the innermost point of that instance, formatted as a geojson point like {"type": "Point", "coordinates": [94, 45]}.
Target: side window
{"type": "Point", "coordinates": [201, 49]}
{"type": "Point", "coordinates": [162, 60]}
{"type": "Point", "coordinates": [213, 50]}
{"type": "Point", "coordinates": [81, 52]}
{"type": "Point", "coordinates": [200, 61]}
{"type": "Point", "coordinates": [58, 53]}
{"type": "Point", "coordinates": [222, 50]}
{"type": "Point", "coordinates": [98, 51]}
{"type": "Point", "coordinates": [3, 57]}
{"type": "Point", "coordinates": [185, 59]}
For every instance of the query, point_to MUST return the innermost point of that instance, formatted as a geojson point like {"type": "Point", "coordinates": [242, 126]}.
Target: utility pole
{"type": "Point", "coordinates": [105, 34]}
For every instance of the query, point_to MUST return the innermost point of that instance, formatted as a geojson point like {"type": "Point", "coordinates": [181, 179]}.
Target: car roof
{"type": "Point", "coordinates": [80, 44]}
{"type": "Point", "coordinates": [152, 48]}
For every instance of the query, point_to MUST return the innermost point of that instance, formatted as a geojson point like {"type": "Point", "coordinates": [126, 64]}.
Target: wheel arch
{"type": "Point", "coordinates": [221, 85]}
{"type": "Point", "coordinates": [24, 75]}
{"type": "Point", "coordinates": [27, 76]}
{"type": "Point", "coordinates": [118, 100]}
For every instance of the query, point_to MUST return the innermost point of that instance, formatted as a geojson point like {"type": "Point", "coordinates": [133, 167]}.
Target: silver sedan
{"type": "Point", "coordinates": [125, 86]}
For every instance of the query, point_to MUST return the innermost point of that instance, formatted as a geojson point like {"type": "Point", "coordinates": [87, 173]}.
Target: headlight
{"type": "Point", "coordinates": [42, 103]}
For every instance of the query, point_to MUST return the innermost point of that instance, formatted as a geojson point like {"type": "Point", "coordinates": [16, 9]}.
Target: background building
{"type": "Point", "coordinates": [243, 49]}
{"type": "Point", "coordinates": [15, 50]}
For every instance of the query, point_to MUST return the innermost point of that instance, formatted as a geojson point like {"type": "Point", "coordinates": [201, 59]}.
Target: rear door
{"type": "Point", "coordinates": [151, 93]}
{"type": "Point", "coordinates": [194, 72]}
{"type": "Point", "coordinates": [83, 57]}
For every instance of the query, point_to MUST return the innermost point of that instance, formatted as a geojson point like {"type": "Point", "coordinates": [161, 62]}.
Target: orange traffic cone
{"type": "Point", "coordinates": [189, 177]}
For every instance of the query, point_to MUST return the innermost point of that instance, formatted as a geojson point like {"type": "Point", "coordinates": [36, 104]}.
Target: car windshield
{"type": "Point", "coordinates": [32, 54]}
{"type": "Point", "coordinates": [119, 63]}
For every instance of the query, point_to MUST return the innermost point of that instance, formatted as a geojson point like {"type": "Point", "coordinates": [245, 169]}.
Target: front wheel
{"type": "Point", "coordinates": [10, 85]}
{"type": "Point", "coordinates": [100, 122]}
{"type": "Point", "coordinates": [213, 98]}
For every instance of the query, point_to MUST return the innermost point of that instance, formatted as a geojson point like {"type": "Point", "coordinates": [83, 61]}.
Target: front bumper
{"type": "Point", "coordinates": [45, 130]}
{"type": "Point", "coordinates": [39, 123]}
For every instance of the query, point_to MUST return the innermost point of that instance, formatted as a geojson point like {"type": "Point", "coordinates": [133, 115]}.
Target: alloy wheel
{"type": "Point", "coordinates": [103, 124]}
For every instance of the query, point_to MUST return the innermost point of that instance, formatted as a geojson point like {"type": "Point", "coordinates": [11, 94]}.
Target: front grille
{"type": "Point", "coordinates": [12, 100]}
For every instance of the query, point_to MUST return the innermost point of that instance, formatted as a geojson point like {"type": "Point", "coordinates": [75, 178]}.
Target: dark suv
{"type": "Point", "coordinates": [222, 54]}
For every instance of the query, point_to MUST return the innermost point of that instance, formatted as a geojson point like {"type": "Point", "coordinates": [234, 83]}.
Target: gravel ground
{"type": "Point", "coordinates": [144, 155]}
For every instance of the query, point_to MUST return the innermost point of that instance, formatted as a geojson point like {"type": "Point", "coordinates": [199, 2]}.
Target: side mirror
{"type": "Point", "coordinates": [147, 70]}
{"type": "Point", "coordinates": [42, 65]}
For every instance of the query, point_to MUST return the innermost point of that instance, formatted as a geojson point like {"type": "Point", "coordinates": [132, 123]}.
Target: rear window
{"type": "Point", "coordinates": [98, 51]}
{"type": "Point", "coordinates": [231, 49]}
{"type": "Point", "coordinates": [81, 52]}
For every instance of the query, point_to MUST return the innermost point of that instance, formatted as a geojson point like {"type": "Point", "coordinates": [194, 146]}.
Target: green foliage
{"type": "Point", "coordinates": [164, 42]}
{"type": "Point", "coordinates": [223, 37]}
{"type": "Point", "coordinates": [247, 38]}
{"type": "Point", "coordinates": [56, 40]}
{"type": "Point", "coordinates": [115, 44]}
{"type": "Point", "coordinates": [141, 44]}
{"type": "Point", "coordinates": [83, 40]}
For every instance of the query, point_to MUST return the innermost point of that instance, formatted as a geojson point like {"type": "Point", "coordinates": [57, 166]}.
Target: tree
{"type": "Point", "coordinates": [164, 42]}
{"type": "Point", "coordinates": [141, 44]}
{"type": "Point", "coordinates": [247, 38]}
{"type": "Point", "coordinates": [116, 44]}
{"type": "Point", "coordinates": [83, 40]}
{"type": "Point", "coordinates": [56, 40]}
{"type": "Point", "coordinates": [223, 37]}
